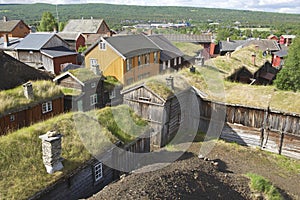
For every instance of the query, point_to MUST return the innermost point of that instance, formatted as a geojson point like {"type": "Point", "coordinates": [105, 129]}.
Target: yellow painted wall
{"type": "Point", "coordinates": [109, 62]}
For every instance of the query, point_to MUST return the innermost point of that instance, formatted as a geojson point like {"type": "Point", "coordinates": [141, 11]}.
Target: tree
{"type": "Point", "coordinates": [48, 22]}
{"type": "Point", "coordinates": [289, 77]}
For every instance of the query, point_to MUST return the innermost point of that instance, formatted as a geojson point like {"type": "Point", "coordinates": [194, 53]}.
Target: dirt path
{"type": "Point", "coordinates": [194, 178]}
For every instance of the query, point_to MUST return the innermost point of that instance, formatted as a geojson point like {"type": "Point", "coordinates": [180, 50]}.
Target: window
{"type": "Point", "coordinates": [47, 107]}
{"type": "Point", "coordinates": [139, 61]}
{"type": "Point", "coordinates": [128, 64]}
{"type": "Point", "coordinates": [93, 62]}
{"type": "Point", "coordinates": [146, 57]}
{"type": "Point", "coordinates": [112, 94]}
{"type": "Point", "coordinates": [12, 118]}
{"type": "Point", "coordinates": [155, 57]}
{"type": "Point", "coordinates": [93, 99]}
{"type": "Point", "coordinates": [175, 61]}
{"type": "Point", "coordinates": [179, 61]}
{"type": "Point", "coordinates": [93, 85]}
{"type": "Point", "coordinates": [102, 46]}
{"type": "Point", "coordinates": [98, 171]}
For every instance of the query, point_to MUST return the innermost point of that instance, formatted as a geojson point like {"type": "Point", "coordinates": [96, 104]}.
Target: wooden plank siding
{"type": "Point", "coordinates": [81, 182]}
{"type": "Point", "coordinates": [29, 115]}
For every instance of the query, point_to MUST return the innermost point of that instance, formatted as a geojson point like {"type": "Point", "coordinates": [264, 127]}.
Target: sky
{"type": "Point", "coordinates": [280, 6]}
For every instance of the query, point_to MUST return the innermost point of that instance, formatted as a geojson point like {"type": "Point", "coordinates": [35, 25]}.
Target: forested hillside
{"type": "Point", "coordinates": [118, 15]}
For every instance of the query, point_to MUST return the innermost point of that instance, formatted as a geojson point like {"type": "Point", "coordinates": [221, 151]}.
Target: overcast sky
{"type": "Point", "coordinates": [282, 6]}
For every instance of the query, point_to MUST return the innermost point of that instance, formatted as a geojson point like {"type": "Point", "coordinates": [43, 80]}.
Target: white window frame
{"type": "Point", "coordinates": [93, 62]}
{"type": "Point", "coordinates": [112, 94]}
{"type": "Point", "coordinates": [139, 61]}
{"type": "Point", "coordinates": [128, 64]}
{"type": "Point", "coordinates": [102, 46]}
{"type": "Point", "coordinates": [98, 171]}
{"type": "Point", "coordinates": [175, 61]}
{"type": "Point", "coordinates": [47, 107]}
{"type": "Point", "coordinates": [12, 118]}
{"type": "Point", "coordinates": [93, 85]}
{"type": "Point", "coordinates": [179, 61]}
{"type": "Point", "coordinates": [155, 57]}
{"type": "Point", "coordinates": [146, 59]}
{"type": "Point", "coordinates": [93, 99]}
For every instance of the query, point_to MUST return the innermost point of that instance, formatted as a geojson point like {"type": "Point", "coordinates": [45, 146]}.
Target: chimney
{"type": "Point", "coordinates": [4, 18]}
{"type": "Point", "coordinates": [28, 90]}
{"type": "Point", "coordinates": [51, 148]}
{"type": "Point", "coordinates": [253, 58]}
{"type": "Point", "coordinates": [170, 82]}
{"type": "Point", "coordinates": [96, 70]}
{"type": "Point", "coordinates": [6, 40]}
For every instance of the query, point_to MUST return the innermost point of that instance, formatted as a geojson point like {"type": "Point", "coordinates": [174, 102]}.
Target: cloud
{"type": "Point", "coordinates": [282, 6]}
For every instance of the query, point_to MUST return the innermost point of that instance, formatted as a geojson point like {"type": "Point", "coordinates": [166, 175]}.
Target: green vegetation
{"type": "Point", "coordinates": [111, 82]}
{"type": "Point", "coordinates": [21, 166]}
{"type": "Point", "coordinates": [289, 77]}
{"type": "Point", "coordinates": [189, 49]}
{"type": "Point", "coordinates": [84, 74]}
{"type": "Point", "coordinates": [238, 59]}
{"type": "Point", "coordinates": [262, 185]}
{"type": "Point", "coordinates": [70, 91]}
{"type": "Point", "coordinates": [14, 98]}
{"type": "Point", "coordinates": [48, 22]}
{"type": "Point", "coordinates": [127, 15]}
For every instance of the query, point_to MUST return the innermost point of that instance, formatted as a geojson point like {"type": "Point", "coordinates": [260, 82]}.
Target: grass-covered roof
{"type": "Point", "coordinates": [84, 74]}
{"type": "Point", "coordinates": [21, 167]}
{"type": "Point", "coordinates": [14, 98]}
{"type": "Point", "coordinates": [240, 58]}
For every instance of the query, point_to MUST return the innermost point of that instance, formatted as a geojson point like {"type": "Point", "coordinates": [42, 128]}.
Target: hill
{"type": "Point", "coordinates": [124, 14]}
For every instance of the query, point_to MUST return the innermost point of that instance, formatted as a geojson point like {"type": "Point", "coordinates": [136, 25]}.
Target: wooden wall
{"type": "Point", "coordinates": [29, 115]}
{"type": "Point", "coordinates": [81, 182]}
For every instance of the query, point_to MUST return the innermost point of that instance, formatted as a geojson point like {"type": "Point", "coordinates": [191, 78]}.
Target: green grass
{"type": "Point", "coordinates": [187, 48]}
{"type": "Point", "coordinates": [264, 186]}
{"type": "Point", "coordinates": [14, 98]}
{"type": "Point", "coordinates": [70, 91]}
{"type": "Point", "coordinates": [238, 59]}
{"type": "Point", "coordinates": [21, 168]}
{"type": "Point", "coordinates": [111, 82]}
{"type": "Point", "coordinates": [84, 74]}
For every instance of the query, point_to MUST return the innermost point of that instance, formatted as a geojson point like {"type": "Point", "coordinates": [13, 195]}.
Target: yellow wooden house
{"type": "Point", "coordinates": [129, 58]}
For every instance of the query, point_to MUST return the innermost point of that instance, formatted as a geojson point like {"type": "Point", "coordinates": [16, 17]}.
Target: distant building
{"type": "Point", "coordinates": [13, 28]}
{"type": "Point", "coordinates": [45, 50]}
{"type": "Point", "coordinates": [286, 39]}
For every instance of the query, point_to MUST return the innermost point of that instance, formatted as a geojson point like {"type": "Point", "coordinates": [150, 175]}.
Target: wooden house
{"type": "Point", "coordinates": [84, 89]}
{"type": "Point", "coordinates": [128, 58]}
{"type": "Point", "coordinates": [278, 58]}
{"type": "Point", "coordinates": [14, 73]}
{"type": "Point", "coordinates": [29, 103]}
{"type": "Point", "coordinates": [13, 28]}
{"type": "Point", "coordinates": [75, 40]}
{"type": "Point", "coordinates": [45, 50]}
{"type": "Point", "coordinates": [170, 55]}
{"type": "Point", "coordinates": [242, 75]}
{"type": "Point", "coordinates": [92, 29]}
{"type": "Point", "coordinates": [265, 74]}
{"type": "Point", "coordinates": [286, 39]}
{"type": "Point", "coordinates": [165, 109]}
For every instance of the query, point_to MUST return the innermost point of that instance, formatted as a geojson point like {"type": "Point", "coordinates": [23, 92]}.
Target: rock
{"type": "Point", "coordinates": [200, 156]}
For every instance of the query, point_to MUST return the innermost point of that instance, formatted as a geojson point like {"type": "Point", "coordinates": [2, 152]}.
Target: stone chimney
{"type": "Point", "coordinates": [6, 40]}
{"type": "Point", "coordinates": [4, 18]}
{"type": "Point", "coordinates": [28, 90]}
{"type": "Point", "coordinates": [96, 70]}
{"type": "Point", "coordinates": [51, 148]}
{"type": "Point", "coordinates": [170, 82]}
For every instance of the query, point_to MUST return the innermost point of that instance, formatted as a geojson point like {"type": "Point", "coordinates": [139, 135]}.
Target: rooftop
{"type": "Point", "coordinates": [34, 41]}
{"type": "Point", "coordinates": [169, 51]}
{"type": "Point", "coordinates": [14, 73]}
{"type": "Point", "coordinates": [56, 52]}
{"type": "Point", "coordinates": [21, 154]}
{"type": "Point", "coordinates": [203, 38]}
{"type": "Point", "coordinates": [83, 25]}
{"type": "Point", "coordinates": [8, 26]}
{"type": "Point", "coordinates": [14, 99]}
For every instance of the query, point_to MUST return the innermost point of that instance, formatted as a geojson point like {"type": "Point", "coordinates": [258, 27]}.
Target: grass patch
{"type": "Point", "coordinates": [187, 48]}
{"type": "Point", "coordinates": [21, 167]}
{"type": "Point", "coordinates": [70, 91]}
{"type": "Point", "coordinates": [264, 186]}
{"type": "Point", "coordinates": [14, 98]}
{"type": "Point", "coordinates": [84, 74]}
{"type": "Point", "coordinates": [111, 82]}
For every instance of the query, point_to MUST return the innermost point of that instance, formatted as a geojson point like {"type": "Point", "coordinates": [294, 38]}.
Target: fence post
{"type": "Point", "coordinates": [263, 128]}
